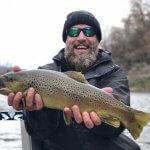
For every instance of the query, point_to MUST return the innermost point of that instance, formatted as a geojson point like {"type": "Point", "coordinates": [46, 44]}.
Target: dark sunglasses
{"type": "Point", "coordinates": [74, 31]}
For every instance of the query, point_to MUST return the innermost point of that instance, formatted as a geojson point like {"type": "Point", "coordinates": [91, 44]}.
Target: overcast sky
{"type": "Point", "coordinates": [31, 30]}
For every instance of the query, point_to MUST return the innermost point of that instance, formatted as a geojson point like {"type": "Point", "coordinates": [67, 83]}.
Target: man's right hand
{"type": "Point", "coordinates": [33, 99]}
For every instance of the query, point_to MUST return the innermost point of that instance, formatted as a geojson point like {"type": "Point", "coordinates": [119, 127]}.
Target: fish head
{"type": "Point", "coordinates": [12, 82]}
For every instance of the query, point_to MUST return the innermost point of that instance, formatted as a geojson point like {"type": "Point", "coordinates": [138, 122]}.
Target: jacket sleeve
{"type": "Point", "coordinates": [119, 83]}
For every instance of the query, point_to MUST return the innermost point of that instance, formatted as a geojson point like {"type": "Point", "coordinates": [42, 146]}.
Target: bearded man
{"type": "Point", "coordinates": [82, 36]}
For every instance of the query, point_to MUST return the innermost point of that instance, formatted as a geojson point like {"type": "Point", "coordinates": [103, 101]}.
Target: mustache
{"type": "Point", "coordinates": [81, 43]}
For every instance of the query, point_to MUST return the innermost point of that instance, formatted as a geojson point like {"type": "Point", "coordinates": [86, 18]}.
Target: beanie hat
{"type": "Point", "coordinates": [81, 17]}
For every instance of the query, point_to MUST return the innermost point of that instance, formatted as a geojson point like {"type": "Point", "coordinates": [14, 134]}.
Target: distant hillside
{"type": "Point", "coordinates": [130, 45]}
{"type": "Point", "coordinates": [139, 78]}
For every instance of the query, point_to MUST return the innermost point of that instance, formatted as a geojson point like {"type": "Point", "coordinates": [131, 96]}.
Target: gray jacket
{"type": "Point", "coordinates": [47, 127]}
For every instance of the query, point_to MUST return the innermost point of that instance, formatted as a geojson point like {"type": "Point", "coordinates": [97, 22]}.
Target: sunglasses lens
{"type": "Point", "coordinates": [89, 31]}
{"type": "Point", "coordinates": [73, 32]}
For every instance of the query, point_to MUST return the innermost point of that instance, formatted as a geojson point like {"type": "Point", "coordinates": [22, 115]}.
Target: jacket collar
{"type": "Point", "coordinates": [101, 67]}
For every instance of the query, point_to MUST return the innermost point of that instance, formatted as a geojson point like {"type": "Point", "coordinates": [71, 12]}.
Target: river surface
{"type": "Point", "coordinates": [10, 135]}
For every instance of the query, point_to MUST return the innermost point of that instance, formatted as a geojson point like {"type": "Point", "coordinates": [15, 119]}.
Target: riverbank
{"type": "Point", "coordinates": [139, 78]}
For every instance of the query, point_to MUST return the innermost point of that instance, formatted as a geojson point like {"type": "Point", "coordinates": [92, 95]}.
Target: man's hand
{"type": "Point", "coordinates": [89, 119]}
{"type": "Point", "coordinates": [33, 100]}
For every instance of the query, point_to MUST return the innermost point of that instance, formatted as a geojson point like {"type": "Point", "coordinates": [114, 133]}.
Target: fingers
{"type": "Point", "coordinates": [15, 100]}
{"type": "Point", "coordinates": [10, 99]}
{"type": "Point", "coordinates": [30, 97]}
{"type": "Point", "coordinates": [95, 118]}
{"type": "Point", "coordinates": [107, 89]}
{"type": "Point", "coordinates": [33, 100]}
{"type": "Point", "coordinates": [68, 111]}
{"type": "Point", "coordinates": [16, 69]}
{"type": "Point", "coordinates": [89, 119]}
{"type": "Point", "coordinates": [77, 114]}
{"type": "Point", "coordinates": [39, 102]}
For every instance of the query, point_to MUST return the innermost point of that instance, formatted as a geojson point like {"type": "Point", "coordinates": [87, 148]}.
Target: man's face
{"type": "Point", "coordinates": [81, 51]}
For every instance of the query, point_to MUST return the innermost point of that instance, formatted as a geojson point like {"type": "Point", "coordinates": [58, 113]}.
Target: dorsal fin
{"type": "Point", "coordinates": [78, 76]}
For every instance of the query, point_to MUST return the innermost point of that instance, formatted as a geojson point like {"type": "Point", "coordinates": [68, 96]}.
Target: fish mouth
{"type": "Point", "coordinates": [3, 89]}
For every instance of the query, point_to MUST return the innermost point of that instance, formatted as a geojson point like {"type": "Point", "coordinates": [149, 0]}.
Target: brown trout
{"type": "Point", "coordinates": [59, 90]}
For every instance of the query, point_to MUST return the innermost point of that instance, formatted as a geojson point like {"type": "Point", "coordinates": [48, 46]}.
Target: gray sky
{"type": "Point", "coordinates": [31, 30]}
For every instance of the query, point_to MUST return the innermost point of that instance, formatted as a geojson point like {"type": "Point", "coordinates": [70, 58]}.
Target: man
{"type": "Point", "coordinates": [82, 35]}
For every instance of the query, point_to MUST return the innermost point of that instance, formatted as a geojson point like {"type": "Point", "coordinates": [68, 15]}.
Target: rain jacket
{"type": "Point", "coordinates": [48, 130]}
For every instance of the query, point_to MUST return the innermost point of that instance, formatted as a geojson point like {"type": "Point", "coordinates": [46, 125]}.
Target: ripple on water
{"type": "Point", "coordinates": [10, 135]}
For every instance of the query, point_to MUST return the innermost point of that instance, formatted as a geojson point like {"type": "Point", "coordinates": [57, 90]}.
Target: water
{"type": "Point", "coordinates": [141, 101]}
{"type": "Point", "coordinates": [10, 131]}
{"type": "Point", "coordinates": [10, 136]}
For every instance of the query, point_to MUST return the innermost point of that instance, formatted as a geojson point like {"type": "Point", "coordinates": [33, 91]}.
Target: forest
{"type": "Point", "coordinates": [130, 45]}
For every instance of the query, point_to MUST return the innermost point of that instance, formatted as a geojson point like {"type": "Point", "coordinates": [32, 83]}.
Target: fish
{"type": "Point", "coordinates": [65, 89]}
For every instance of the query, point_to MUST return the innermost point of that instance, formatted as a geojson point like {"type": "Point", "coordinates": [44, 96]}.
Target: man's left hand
{"type": "Point", "coordinates": [89, 119]}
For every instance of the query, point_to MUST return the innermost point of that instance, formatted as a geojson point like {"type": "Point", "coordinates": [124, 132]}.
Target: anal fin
{"type": "Point", "coordinates": [111, 121]}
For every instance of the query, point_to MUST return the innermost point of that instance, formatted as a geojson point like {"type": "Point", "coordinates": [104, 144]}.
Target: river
{"type": "Point", "coordinates": [10, 136]}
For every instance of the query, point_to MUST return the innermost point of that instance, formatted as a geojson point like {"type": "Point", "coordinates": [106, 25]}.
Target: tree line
{"type": "Point", "coordinates": [130, 44]}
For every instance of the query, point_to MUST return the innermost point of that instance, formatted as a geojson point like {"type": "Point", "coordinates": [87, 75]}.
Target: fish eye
{"type": "Point", "coordinates": [9, 78]}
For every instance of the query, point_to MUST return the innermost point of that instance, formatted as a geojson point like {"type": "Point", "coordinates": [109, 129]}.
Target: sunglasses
{"type": "Point", "coordinates": [74, 31]}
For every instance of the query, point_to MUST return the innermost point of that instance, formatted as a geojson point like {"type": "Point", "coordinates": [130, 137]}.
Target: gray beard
{"type": "Point", "coordinates": [80, 63]}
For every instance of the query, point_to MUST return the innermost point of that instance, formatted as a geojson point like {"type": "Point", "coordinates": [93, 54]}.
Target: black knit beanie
{"type": "Point", "coordinates": [81, 17]}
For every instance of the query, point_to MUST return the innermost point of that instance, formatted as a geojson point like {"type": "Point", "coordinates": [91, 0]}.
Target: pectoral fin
{"type": "Point", "coordinates": [118, 97]}
{"type": "Point", "coordinates": [78, 76]}
{"type": "Point", "coordinates": [67, 119]}
{"type": "Point", "coordinates": [111, 121]}
{"type": "Point", "coordinates": [24, 99]}
{"type": "Point", "coordinates": [25, 93]}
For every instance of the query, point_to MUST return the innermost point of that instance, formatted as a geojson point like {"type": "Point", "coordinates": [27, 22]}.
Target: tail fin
{"type": "Point", "coordinates": [140, 120]}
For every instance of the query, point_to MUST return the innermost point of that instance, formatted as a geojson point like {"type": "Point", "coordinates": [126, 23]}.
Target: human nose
{"type": "Point", "coordinates": [81, 36]}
